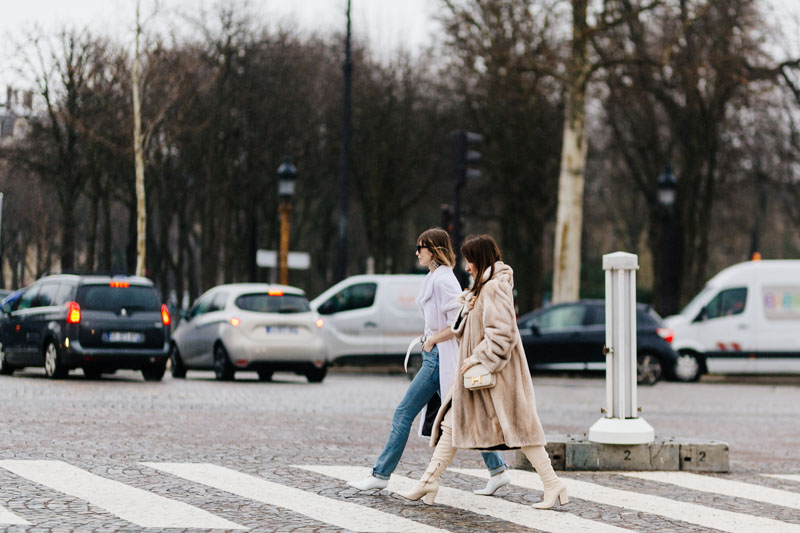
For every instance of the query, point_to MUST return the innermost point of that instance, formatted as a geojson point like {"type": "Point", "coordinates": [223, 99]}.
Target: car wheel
{"type": "Point", "coordinates": [223, 368]}
{"type": "Point", "coordinates": [5, 368]}
{"type": "Point", "coordinates": [648, 369]}
{"type": "Point", "coordinates": [687, 367]}
{"type": "Point", "coordinates": [154, 371]}
{"type": "Point", "coordinates": [92, 373]}
{"type": "Point", "coordinates": [265, 375]}
{"type": "Point", "coordinates": [316, 375]}
{"type": "Point", "coordinates": [177, 368]}
{"type": "Point", "coordinates": [53, 367]}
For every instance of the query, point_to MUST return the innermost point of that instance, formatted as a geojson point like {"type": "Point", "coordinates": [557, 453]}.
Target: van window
{"type": "Point", "coordinates": [47, 293]}
{"type": "Point", "coordinates": [27, 298]}
{"type": "Point", "coordinates": [359, 296]}
{"type": "Point", "coordinates": [727, 303]}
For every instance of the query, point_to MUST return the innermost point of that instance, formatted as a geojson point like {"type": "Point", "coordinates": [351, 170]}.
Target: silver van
{"type": "Point", "coordinates": [370, 318]}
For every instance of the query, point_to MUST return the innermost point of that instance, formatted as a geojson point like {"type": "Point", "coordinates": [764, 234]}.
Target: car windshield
{"type": "Point", "coordinates": [267, 303]}
{"type": "Point", "coordinates": [108, 298]}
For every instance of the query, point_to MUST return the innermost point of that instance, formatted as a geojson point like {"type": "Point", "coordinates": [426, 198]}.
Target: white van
{"type": "Point", "coordinates": [370, 317]}
{"type": "Point", "coordinates": [749, 310]}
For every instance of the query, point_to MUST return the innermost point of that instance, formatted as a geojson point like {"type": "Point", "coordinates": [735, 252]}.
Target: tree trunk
{"type": "Point", "coordinates": [138, 149]}
{"type": "Point", "coordinates": [569, 217]}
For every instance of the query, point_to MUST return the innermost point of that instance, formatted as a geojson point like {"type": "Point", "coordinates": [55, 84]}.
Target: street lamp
{"type": "Point", "coordinates": [667, 187]}
{"type": "Point", "coordinates": [287, 174]}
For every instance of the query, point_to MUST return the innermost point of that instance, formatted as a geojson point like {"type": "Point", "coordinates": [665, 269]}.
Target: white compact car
{"type": "Point", "coordinates": [250, 326]}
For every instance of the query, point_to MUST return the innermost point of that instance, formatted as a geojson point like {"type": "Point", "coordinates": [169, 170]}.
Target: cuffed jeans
{"type": "Point", "coordinates": [421, 390]}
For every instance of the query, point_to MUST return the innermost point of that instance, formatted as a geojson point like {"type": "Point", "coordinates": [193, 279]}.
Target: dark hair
{"type": "Point", "coordinates": [438, 243]}
{"type": "Point", "coordinates": [483, 252]}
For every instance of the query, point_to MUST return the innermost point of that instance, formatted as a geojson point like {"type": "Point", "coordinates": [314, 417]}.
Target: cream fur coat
{"type": "Point", "coordinates": [503, 417]}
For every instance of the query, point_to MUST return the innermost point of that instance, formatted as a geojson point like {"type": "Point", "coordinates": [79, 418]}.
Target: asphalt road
{"type": "Point", "coordinates": [77, 454]}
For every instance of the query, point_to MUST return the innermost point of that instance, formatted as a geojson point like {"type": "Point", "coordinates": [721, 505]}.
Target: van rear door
{"type": "Point", "coordinates": [779, 320]}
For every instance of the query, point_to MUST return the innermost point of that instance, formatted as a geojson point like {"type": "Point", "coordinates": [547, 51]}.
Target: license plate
{"type": "Point", "coordinates": [281, 330]}
{"type": "Point", "coordinates": [124, 336]}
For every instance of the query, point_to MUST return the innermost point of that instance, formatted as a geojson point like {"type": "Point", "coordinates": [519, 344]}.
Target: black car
{"type": "Point", "coordinates": [97, 323]}
{"type": "Point", "coordinates": [576, 333]}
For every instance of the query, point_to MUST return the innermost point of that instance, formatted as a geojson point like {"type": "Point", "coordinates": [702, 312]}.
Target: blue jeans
{"type": "Point", "coordinates": [421, 390]}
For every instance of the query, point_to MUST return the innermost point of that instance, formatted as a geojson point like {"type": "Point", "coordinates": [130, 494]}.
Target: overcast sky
{"type": "Point", "coordinates": [385, 24]}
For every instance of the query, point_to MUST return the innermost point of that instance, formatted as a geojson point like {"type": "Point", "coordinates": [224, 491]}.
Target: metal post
{"type": "Point", "coordinates": [285, 210]}
{"type": "Point", "coordinates": [347, 69]}
{"type": "Point", "coordinates": [621, 423]}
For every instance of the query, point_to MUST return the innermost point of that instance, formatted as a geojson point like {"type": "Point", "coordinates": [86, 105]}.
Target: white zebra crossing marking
{"type": "Point", "coordinates": [341, 514]}
{"type": "Point", "coordinates": [138, 506]}
{"type": "Point", "coordinates": [684, 511]}
{"type": "Point", "coordinates": [737, 489]}
{"type": "Point", "coordinates": [9, 518]}
{"type": "Point", "coordinates": [790, 477]}
{"type": "Point", "coordinates": [498, 508]}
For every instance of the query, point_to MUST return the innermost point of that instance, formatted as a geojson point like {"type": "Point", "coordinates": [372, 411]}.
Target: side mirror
{"type": "Point", "coordinates": [701, 315]}
{"type": "Point", "coordinates": [327, 308]}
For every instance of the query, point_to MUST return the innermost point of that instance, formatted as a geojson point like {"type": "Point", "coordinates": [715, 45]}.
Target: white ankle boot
{"type": "Point", "coordinates": [369, 483]}
{"type": "Point", "coordinates": [554, 489]}
{"type": "Point", "coordinates": [496, 482]}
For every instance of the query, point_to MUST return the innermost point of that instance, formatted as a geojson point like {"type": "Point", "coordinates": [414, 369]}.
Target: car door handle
{"type": "Point", "coordinates": [370, 325]}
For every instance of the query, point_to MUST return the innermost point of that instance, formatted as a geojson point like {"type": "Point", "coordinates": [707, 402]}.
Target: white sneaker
{"type": "Point", "coordinates": [495, 482]}
{"type": "Point", "coordinates": [369, 483]}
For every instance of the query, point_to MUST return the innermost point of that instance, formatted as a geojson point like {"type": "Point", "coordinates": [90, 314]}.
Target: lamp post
{"type": "Point", "coordinates": [287, 173]}
{"type": "Point", "coordinates": [667, 187]}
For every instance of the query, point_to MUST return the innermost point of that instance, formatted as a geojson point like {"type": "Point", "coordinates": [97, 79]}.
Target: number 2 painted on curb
{"type": "Point", "coordinates": [702, 456]}
{"type": "Point", "coordinates": [627, 455]}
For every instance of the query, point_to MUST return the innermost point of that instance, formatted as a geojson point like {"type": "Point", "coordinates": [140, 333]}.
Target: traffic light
{"type": "Point", "coordinates": [464, 156]}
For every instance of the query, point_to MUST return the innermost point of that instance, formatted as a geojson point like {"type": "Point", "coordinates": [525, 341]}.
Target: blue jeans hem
{"type": "Point", "coordinates": [380, 476]}
{"type": "Point", "coordinates": [502, 468]}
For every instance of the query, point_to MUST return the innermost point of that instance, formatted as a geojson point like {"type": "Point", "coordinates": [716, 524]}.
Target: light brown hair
{"type": "Point", "coordinates": [483, 252]}
{"type": "Point", "coordinates": [438, 243]}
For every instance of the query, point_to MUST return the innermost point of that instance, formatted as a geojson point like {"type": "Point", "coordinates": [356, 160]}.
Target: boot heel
{"type": "Point", "coordinates": [563, 498]}
{"type": "Point", "coordinates": [428, 498]}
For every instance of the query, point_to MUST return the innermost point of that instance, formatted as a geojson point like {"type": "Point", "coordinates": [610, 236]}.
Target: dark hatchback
{"type": "Point", "coordinates": [576, 333]}
{"type": "Point", "coordinates": [97, 323]}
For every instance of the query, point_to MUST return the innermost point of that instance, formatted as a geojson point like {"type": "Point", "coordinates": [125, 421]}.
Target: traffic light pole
{"type": "Point", "coordinates": [462, 157]}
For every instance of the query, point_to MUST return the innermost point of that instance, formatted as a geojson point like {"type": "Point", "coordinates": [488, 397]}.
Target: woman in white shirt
{"type": "Point", "coordinates": [437, 300]}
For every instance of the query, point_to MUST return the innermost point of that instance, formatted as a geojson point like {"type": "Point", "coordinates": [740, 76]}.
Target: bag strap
{"type": "Point", "coordinates": [416, 341]}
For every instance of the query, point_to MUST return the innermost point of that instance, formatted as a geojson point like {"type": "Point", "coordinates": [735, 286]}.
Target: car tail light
{"type": "Point", "coordinates": [319, 322]}
{"type": "Point", "coordinates": [666, 333]}
{"type": "Point", "coordinates": [120, 284]}
{"type": "Point", "coordinates": [275, 293]}
{"type": "Point", "coordinates": [74, 313]}
{"type": "Point", "coordinates": [165, 315]}
{"type": "Point", "coordinates": [235, 322]}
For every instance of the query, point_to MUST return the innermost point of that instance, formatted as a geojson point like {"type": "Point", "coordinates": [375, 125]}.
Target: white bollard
{"type": "Point", "coordinates": [621, 423]}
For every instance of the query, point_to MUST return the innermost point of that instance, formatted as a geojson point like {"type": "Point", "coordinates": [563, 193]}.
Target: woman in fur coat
{"type": "Point", "coordinates": [438, 302]}
{"type": "Point", "coordinates": [502, 417]}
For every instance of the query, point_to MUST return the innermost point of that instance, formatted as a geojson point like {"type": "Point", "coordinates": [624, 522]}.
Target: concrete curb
{"type": "Point", "coordinates": [666, 454]}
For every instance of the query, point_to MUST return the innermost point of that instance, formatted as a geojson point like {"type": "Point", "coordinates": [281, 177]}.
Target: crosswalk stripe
{"type": "Point", "coordinates": [790, 477]}
{"type": "Point", "coordinates": [737, 489]}
{"type": "Point", "coordinates": [138, 506]}
{"type": "Point", "coordinates": [496, 507]}
{"type": "Point", "coordinates": [9, 518]}
{"type": "Point", "coordinates": [657, 505]}
{"type": "Point", "coordinates": [338, 513]}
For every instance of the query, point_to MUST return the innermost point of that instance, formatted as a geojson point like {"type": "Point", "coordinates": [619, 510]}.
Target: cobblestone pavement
{"type": "Point", "coordinates": [296, 441]}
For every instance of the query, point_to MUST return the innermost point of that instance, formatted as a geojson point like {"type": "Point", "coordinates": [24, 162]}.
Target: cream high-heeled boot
{"type": "Point", "coordinates": [554, 489]}
{"type": "Point", "coordinates": [428, 485]}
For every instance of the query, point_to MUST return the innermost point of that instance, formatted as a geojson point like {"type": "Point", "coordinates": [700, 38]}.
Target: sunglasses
{"type": "Point", "coordinates": [421, 246]}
